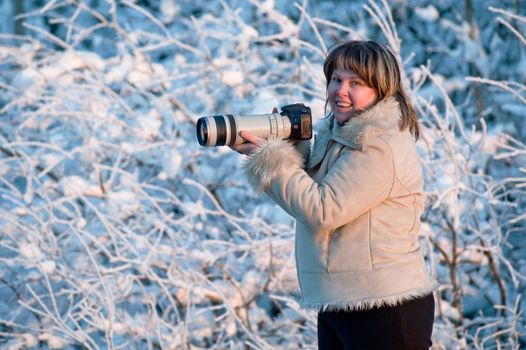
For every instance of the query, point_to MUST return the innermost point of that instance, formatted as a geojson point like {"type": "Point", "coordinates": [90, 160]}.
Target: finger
{"type": "Point", "coordinates": [240, 146]}
{"type": "Point", "coordinates": [245, 148]}
{"type": "Point", "coordinates": [251, 138]}
{"type": "Point", "coordinates": [247, 136]}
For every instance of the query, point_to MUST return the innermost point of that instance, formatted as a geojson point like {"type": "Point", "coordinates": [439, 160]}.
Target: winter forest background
{"type": "Point", "coordinates": [118, 231]}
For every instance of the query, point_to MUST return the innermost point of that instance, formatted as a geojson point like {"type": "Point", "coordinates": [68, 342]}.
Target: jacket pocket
{"type": "Point", "coordinates": [311, 250]}
{"type": "Point", "coordinates": [349, 247]}
{"type": "Point", "coordinates": [326, 250]}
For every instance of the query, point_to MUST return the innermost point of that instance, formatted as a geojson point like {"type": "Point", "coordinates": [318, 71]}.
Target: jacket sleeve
{"type": "Point", "coordinates": [357, 181]}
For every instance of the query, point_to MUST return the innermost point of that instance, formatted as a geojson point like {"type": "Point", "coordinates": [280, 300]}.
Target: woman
{"type": "Point", "coordinates": [357, 198]}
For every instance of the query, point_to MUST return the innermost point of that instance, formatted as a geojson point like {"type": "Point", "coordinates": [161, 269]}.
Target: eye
{"type": "Point", "coordinates": [336, 79]}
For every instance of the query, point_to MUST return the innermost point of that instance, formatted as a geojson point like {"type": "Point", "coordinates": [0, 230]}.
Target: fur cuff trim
{"type": "Point", "coordinates": [370, 303]}
{"type": "Point", "coordinates": [269, 160]}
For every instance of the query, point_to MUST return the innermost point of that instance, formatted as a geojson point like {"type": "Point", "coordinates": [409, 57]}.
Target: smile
{"type": "Point", "coordinates": [343, 104]}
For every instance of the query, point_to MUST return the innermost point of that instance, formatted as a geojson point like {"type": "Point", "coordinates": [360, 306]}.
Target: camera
{"type": "Point", "coordinates": [294, 122]}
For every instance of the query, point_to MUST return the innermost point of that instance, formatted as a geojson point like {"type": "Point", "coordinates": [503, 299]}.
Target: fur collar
{"type": "Point", "coordinates": [383, 116]}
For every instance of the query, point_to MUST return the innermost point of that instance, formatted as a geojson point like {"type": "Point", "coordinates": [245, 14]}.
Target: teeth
{"type": "Point", "coordinates": [343, 104]}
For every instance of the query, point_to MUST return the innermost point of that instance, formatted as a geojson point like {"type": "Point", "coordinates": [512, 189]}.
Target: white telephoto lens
{"type": "Point", "coordinates": [221, 130]}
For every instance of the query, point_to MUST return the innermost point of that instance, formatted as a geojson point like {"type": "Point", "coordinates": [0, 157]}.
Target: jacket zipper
{"type": "Point", "coordinates": [331, 232]}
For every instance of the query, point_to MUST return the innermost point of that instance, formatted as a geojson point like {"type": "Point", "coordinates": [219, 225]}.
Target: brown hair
{"type": "Point", "coordinates": [378, 67]}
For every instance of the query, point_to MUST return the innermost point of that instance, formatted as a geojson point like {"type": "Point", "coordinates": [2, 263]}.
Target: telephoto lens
{"type": "Point", "coordinates": [294, 122]}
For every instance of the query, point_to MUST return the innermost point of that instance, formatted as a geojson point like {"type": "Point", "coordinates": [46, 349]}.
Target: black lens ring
{"type": "Point", "coordinates": [233, 129]}
{"type": "Point", "coordinates": [221, 130]}
{"type": "Point", "coordinates": [202, 137]}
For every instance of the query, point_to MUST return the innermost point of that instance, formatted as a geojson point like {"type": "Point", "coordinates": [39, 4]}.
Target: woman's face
{"type": "Point", "coordinates": [349, 94]}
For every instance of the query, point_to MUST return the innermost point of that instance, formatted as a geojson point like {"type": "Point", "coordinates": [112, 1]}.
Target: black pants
{"type": "Point", "coordinates": [406, 326]}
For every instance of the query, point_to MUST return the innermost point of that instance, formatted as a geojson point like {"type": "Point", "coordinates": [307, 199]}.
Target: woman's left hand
{"type": "Point", "coordinates": [253, 142]}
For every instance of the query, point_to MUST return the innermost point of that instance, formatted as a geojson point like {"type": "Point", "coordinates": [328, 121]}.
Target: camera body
{"type": "Point", "coordinates": [294, 122]}
{"type": "Point", "coordinates": [300, 120]}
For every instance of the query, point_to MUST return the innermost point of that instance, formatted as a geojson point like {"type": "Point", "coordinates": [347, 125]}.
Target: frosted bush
{"type": "Point", "coordinates": [119, 231]}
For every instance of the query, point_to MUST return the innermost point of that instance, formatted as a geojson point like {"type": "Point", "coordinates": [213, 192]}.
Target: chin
{"type": "Point", "coordinates": [342, 118]}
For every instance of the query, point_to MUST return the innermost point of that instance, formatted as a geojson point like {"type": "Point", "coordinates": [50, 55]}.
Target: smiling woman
{"type": "Point", "coordinates": [357, 197]}
{"type": "Point", "coordinates": [372, 69]}
{"type": "Point", "coordinates": [349, 94]}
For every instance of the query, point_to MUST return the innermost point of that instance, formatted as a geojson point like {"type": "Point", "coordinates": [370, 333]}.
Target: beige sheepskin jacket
{"type": "Point", "coordinates": [357, 198]}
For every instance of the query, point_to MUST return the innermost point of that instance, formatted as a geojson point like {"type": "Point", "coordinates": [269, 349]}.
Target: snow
{"type": "Point", "coordinates": [119, 231]}
{"type": "Point", "coordinates": [148, 126]}
{"type": "Point", "coordinates": [171, 164]}
{"type": "Point", "coordinates": [428, 13]}
{"type": "Point", "coordinates": [29, 340]}
{"type": "Point", "coordinates": [48, 266]}
{"type": "Point", "coordinates": [122, 204]}
{"type": "Point", "coordinates": [74, 186]}
{"type": "Point", "coordinates": [232, 77]}
{"type": "Point", "coordinates": [169, 9]}
{"type": "Point", "coordinates": [30, 251]}
{"type": "Point", "coordinates": [27, 78]}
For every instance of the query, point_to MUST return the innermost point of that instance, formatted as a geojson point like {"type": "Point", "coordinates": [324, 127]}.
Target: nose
{"type": "Point", "coordinates": [342, 90]}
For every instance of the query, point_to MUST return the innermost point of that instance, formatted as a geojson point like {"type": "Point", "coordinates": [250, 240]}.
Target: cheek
{"type": "Point", "coordinates": [331, 92]}
{"type": "Point", "coordinates": [330, 88]}
{"type": "Point", "coordinates": [365, 97]}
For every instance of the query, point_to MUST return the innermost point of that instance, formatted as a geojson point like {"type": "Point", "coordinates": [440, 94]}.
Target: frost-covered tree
{"type": "Point", "coordinates": [118, 231]}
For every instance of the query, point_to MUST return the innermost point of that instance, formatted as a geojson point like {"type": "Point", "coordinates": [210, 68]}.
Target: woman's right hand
{"type": "Point", "coordinates": [253, 142]}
